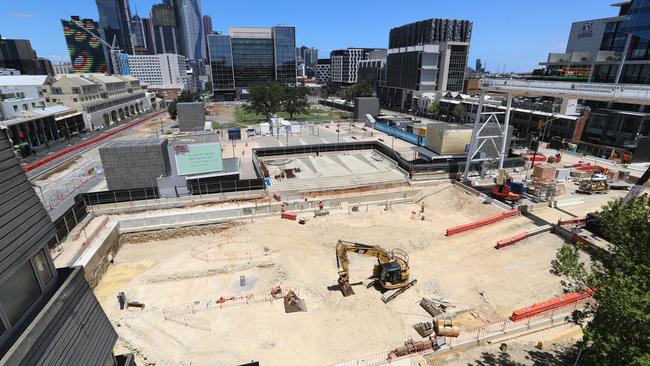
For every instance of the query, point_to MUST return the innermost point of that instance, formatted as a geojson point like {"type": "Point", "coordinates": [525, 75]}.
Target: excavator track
{"type": "Point", "coordinates": [389, 296]}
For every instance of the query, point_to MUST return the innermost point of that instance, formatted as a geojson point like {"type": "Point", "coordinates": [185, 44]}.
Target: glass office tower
{"type": "Point", "coordinates": [285, 56]}
{"type": "Point", "coordinates": [223, 78]}
{"type": "Point", "coordinates": [115, 25]}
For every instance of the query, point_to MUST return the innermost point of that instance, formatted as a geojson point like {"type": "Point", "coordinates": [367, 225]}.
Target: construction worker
{"type": "Point", "coordinates": [422, 208]}
{"type": "Point", "coordinates": [320, 205]}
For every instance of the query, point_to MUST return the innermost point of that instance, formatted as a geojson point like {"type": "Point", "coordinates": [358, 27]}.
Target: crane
{"type": "Point", "coordinates": [391, 271]}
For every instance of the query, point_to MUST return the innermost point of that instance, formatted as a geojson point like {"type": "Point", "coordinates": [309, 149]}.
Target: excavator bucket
{"type": "Point", "coordinates": [293, 304]}
{"type": "Point", "coordinates": [344, 285]}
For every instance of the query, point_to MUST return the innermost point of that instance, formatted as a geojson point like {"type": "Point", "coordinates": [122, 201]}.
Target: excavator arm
{"type": "Point", "coordinates": [395, 261]}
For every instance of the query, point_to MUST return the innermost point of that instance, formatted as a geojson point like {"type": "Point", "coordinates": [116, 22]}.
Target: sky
{"type": "Point", "coordinates": [510, 35]}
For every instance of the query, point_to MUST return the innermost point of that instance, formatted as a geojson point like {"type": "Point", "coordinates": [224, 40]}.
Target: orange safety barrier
{"type": "Point", "coordinates": [554, 303]}
{"type": "Point", "coordinates": [511, 240]}
{"type": "Point", "coordinates": [483, 222]}
{"type": "Point", "coordinates": [104, 136]}
{"type": "Point", "coordinates": [572, 221]}
{"type": "Point", "coordinates": [288, 215]}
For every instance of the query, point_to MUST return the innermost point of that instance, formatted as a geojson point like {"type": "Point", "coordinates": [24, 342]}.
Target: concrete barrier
{"type": "Point", "coordinates": [567, 202]}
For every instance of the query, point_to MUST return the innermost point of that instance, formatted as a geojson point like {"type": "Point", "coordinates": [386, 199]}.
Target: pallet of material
{"type": "Point", "coordinates": [288, 215]}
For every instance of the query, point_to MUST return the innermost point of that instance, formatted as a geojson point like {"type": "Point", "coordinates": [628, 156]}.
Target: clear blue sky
{"type": "Point", "coordinates": [514, 33]}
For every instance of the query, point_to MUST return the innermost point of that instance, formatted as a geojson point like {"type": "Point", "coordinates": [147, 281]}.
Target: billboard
{"type": "Point", "coordinates": [86, 51]}
{"type": "Point", "coordinates": [198, 158]}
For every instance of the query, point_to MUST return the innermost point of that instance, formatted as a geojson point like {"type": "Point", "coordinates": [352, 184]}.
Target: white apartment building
{"type": "Point", "coordinates": [63, 68]}
{"type": "Point", "coordinates": [163, 71]}
{"type": "Point", "coordinates": [20, 94]}
{"type": "Point", "coordinates": [323, 71]}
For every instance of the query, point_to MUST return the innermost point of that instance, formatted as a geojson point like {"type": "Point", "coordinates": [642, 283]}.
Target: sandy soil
{"type": "Point", "coordinates": [464, 269]}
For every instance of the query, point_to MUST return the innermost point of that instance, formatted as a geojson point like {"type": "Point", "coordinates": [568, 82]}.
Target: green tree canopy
{"type": "Point", "coordinates": [185, 96]}
{"type": "Point", "coordinates": [616, 326]}
{"type": "Point", "coordinates": [434, 108]}
{"type": "Point", "coordinates": [266, 99]}
{"type": "Point", "coordinates": [358, 90]}
{"type": "Point", "coordinates": [295, 100]}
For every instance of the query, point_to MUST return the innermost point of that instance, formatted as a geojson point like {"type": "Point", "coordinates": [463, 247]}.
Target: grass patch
{"type": "Point", "coordinates": [243, 118]}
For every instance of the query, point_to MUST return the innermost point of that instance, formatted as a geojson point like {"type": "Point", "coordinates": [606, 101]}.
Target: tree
{"type": "Point", "coordinates": [434, 108]}
{"type": "Point", "coordinates": [458, 113]}
{"type": "Point", "coordinates": [324, 91]}
{"type": "Point", "coordinates": [208, 87]}
{"type": "Point", "coordinates": [66, 133]}
{"type": "Point", "coordinates": [358, 90]}
{"type": "Point", "coordinates": [295, 100]}
{"type": "Point", "coordinates": [266, 99]}
{"type": "Point", "coordinates": [615, 327]}
{"type": "Point", "coordinates": [185, 96]}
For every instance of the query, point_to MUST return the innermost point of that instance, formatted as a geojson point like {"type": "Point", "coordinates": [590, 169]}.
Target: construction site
{"type": "Point", "coordinates": [340, 244]}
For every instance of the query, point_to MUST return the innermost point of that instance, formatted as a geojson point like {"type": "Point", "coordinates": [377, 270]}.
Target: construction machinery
{"type": "Point", "coordinates": [597, 183]}
{"type": "Point", "coordinates": [502, 190]}
{"type": "Point", "coordinates": [391, 271]}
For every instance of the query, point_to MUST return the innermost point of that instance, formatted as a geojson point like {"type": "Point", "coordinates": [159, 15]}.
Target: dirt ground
{"type": "Point", "coordinates": [464, 269]}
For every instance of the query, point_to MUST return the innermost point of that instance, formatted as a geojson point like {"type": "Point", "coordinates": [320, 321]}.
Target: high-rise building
{"type": "Point", "coordinates": [50, 316]}
{"type": "Point", "coordinates": [162, 71]}
{"type": "Point", "coordinates": [479, 65]}
{"type": "Point", "coordinates": [425, 56]}
{"type": "Point", "coordinates": [18, 54]}
{"type": "Point", "coordinates": [147, 29]}
{"type": "Point", "coordinates": [309, 57]}
{"type": "Point", "coordinates": [86, 51]}
{"type": "Point", "coordinates": [323, 71]}
{"type": "Point", "coordinates": [207, 29]}
{"type": "Point", "coordinates": [115, 26]}
{"type": "Point", "coordinates": [163, 23]}
{"type": "Point", "coordinates": [608, 50]}
{"type": "Point", "coordinates": [137, 36]}
{"type": "Point", "coordinates": [189, 26]}
{"type": "Point", "coordinates": [249, 56]}
{"type": "Point", "coordinates": [344, 65]}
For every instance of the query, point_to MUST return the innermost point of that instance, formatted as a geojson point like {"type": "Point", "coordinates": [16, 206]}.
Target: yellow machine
{"type": "Point", "coordinates": [391, 271]}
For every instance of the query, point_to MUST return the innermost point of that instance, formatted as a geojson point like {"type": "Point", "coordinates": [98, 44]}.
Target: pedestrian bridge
{"type": "Point", "coordinates": [617, 93]}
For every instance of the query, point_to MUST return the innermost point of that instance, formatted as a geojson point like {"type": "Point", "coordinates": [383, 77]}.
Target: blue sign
{"type": "Point", "coordinates": [399, 133]}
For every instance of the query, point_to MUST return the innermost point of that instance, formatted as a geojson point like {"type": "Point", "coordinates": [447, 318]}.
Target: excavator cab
{"type": "Point", "coordinates": [391, 273]}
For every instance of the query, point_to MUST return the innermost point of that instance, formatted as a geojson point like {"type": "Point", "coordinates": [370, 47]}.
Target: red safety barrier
{"type": "Point", "coordinates": [511, 240]}
{"type": "Point", "coordinates": [572, 221]}
{"type": "Point", "coordinates": [554, 303]}
{"type": "Point", "coordinates": [288, 215]}
{"type": "Point", "coordinates": [483, 222]}
{"type": "Point", "coordinates": [590, 167]}
{"type": "Point", "coordinates": [277, 196]}
{"type": "Point", "coordinates": [104, 136]}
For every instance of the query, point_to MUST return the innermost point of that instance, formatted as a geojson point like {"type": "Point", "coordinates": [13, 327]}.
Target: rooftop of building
{"type": "Point", "coordinates": [148, 142]}
{"type": "Point", "coordinates": [196, 138]}
{"type": "Point", "coordinates": [23, 80]}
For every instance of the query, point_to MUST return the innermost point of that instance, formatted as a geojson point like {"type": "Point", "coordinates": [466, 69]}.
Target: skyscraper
{"type": "Point", "coordinates": [207, 24]}
{"type": "Point", "coordinates": [425, 56]}
{"type": "Point", "coordinates": [163, 24]}
{"type": "Point", "coordinates": [250, 56]}
{"type": "Point", "coordinates": [137, 35]}
{"type": "Point", "coordinates": [115, 25]}
{"type": "Point", "coordinates": [479, 65]}
{"type": "Point", "coordinates": [86, 51]}
{"type": "Point", "coordinates": [18, 54]}
{"type": "Point", "coordinates": [189, 26]}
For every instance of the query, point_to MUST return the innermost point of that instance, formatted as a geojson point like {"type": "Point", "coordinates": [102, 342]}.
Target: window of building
{"type": "Point", "coordinates": [75, 100]}
{"type": "Point", "coordinates": [42, 267]}
{"type": "Point", "coordinates": [25, 107]}
{"type": "Point", "coordinates": [15, 108]}
{"type": "Point", "coordinates": [19, 292]}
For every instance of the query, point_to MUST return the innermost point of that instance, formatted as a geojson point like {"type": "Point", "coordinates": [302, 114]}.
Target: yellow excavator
{"type": "Point", "coordinates": [391, 271]}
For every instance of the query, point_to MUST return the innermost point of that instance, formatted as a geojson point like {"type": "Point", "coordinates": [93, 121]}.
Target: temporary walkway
{"type": "Point", "coordinates": [617, 93]}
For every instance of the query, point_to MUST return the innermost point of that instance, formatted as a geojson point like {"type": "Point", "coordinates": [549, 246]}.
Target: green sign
{"type": "Point", "coordinates": [198, 158]}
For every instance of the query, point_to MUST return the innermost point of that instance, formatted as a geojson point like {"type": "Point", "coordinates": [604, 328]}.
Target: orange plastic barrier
{"type": "Point", "coordinates": [554, 303]}
{"type": "Point", "coordinates": [483, 222]}
{"type": "Point", "coordinates": [572, 221]}
{"type": "Point", "coordinates": [511, 240]}
{"type": "Point", "coordinates": [288, 215]}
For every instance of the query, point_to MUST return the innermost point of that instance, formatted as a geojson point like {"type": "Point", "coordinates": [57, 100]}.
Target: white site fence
{"type": "Point", "coordinates": [475, 337]}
